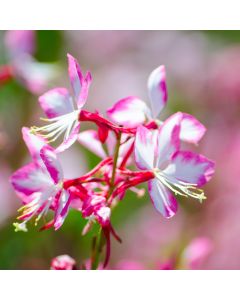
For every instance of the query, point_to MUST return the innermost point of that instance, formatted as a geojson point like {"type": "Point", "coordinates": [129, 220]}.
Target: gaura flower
{"type": "Point", "coordinates": [61, 110]}
{"type": "Point", "coordinates": [132, 111]}
{"type": "Point", "coordinates": [34, 75]}
{"type": "Point", "coordinates": [19, 42]}
{"type": "Point", "coordinates": [127, 264]}
{"type": "Point", "coordinates": [93, 205]}
{"type": "Point", "coordinates": [191, 257]}
{"type": "Point", "coordinates": [95, 208]}
{"type": "Point", "coordinates": [63, 262]}
{"type": "Point", "coordinates": [197, 252]}
{"type": "Point", "coordinates": [175, 172]}
{"type": "Point", "coordinates": [40, 184]}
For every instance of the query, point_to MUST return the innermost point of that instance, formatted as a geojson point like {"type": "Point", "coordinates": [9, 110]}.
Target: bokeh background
{"type": "Point", "coordinates": [203, 77]}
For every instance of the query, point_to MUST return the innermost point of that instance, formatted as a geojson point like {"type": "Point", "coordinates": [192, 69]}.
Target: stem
{"type": "Point", "coordinates": [87, 176]}
{"type": "Point", "coordinates": [124, 161]}
{"type": "Point", "coordinates": [97, 249]}
{"type": "Point", "coordinates": [115, 159]}
{"type": "Point", "coordinates": [138, 179]}
{"type": "Point", "coordinates": [100, 121]}
{"type": "Point", "coordinates": [99, 241]}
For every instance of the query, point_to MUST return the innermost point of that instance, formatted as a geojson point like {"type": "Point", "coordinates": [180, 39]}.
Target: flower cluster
{"type": "Point", "coordinates": [133, 134]}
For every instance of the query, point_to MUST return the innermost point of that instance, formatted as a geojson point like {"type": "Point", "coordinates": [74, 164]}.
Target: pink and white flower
{"type": "Point", "coordinates": [95, 208]}
{"type": "Point", "coordinates": [197, 252]}
{"type": "Point", "coordinates": [61, 110]}
{"type": "Point", "coordinates": [40, 184]}
{"type": "Point", "coordinates": [132, 111]}
{"type": "Point", "coordinates": [34, 75]}
{"type": "Point", "coordinates": [175, 171]}
{"type": "Point", "coordinates": [63, 262]}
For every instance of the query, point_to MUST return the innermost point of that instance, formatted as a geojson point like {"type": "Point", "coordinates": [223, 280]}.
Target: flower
{"type": "Point", "coordinates": [132, 111]}
{"type": "Point", "coordinates": [63, 262]}
{"type": "Point", "coordinates": [126, 264]}
{"type": "Point", "coordinates": [40, 184]}
{"type": "Point", "coordinates": [180, 172]}
{"type": "Point", "coordinates": [32, 74]}
{"type": "Point", "coordinates": [61, 111]}
{"type": "Point", "coordinates": [196, 252]}
{"type": "Point", "coordinates": [89, 196]}
{"type": "Point", "coordinates": [95, 207]}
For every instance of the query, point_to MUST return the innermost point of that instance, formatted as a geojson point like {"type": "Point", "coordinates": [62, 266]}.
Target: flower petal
{"type": "Point", "coordinates": [70, 139]}
{"type": "Point", "coordinates": [79, 84]}
{"type": "Point", "coordinates": [191, 129]}
{"type": "Point", "coordinates": [103, 215]}
{"type": "Point", "coordinates": [62, 210]}
{"type": "Point", "coordinates": [196, 252]}
{"type": "Point", "coordinates": [168, 141]}
{"type": "Point", "coordinates": [30, 179]}
{"type": "Point", "coordinates": [56, 102]}
{"type": "Point", "coordinates": [34, 75]}
{"type": "Point", "coordinates": [33, 142]}
{"type": "Point", "coordinates": [52, 164]}
{"type": "Point", "coordinates": [130, 112]}
{"type": "Point", "coordinates": [90, 140]}
{"type": "Point", "coordinates": [162, 199]}
{"type": "Point", "coordinates": [190, 167]}
{"type": "Point", "coordinates": [20, 42]}
{"type": "Point", "coordinates": [157, 89]}
{"type": "Point", "coordinates": [63, 262]}
{"type": "Point", "coordinates": [144, 148]}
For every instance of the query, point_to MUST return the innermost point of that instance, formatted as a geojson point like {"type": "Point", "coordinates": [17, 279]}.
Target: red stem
{"type": "Point", "coordinates": [139, 177]}
{"type": "Point", "coordinates": [101, 121]}
{"type": "Point", "coordinates": [124, 161]}
{"type": "Point", "coordinates": [80, 180]}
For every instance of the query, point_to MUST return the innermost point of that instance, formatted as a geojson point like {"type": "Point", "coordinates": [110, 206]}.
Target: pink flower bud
{"type": "Point", "coordinates": [63, 262]}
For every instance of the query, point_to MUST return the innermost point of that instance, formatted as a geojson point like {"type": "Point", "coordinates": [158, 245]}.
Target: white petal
{"type": "Point", "coordinates": [157, 89]}
{"type": "Point", "coordinates": [189, 167]}
{"type": "Point", "coordinates": [162, 198]}
{"type": "Point", "coordinates": [52, 164]}
{"type": "Point", "coordinates": [167, 142]}
{"type": "Point", "coordinates": [191, 129]}
{"type": "Point", "coordinates": [130, 112]}
{"type": "Point", "coordinates": [144, 148]}
{"type": "Point", "coordinates": [56, 102]}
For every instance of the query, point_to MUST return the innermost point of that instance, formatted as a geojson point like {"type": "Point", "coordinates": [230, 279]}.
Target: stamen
{"type": "Point", "coordinates": [20, 226]}
{"type": "Point", "coordinates": [43, 212]}
{"type": "Point", "coordinates": [57, 126]}
{"type": "Point", "coordinates": [179, 187]}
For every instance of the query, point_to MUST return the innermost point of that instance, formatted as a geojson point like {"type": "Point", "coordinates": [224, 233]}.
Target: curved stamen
{"type": "Point", "coordinates": [57, 126]}
{"type": "Point", "coordinates": [180, 187]}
